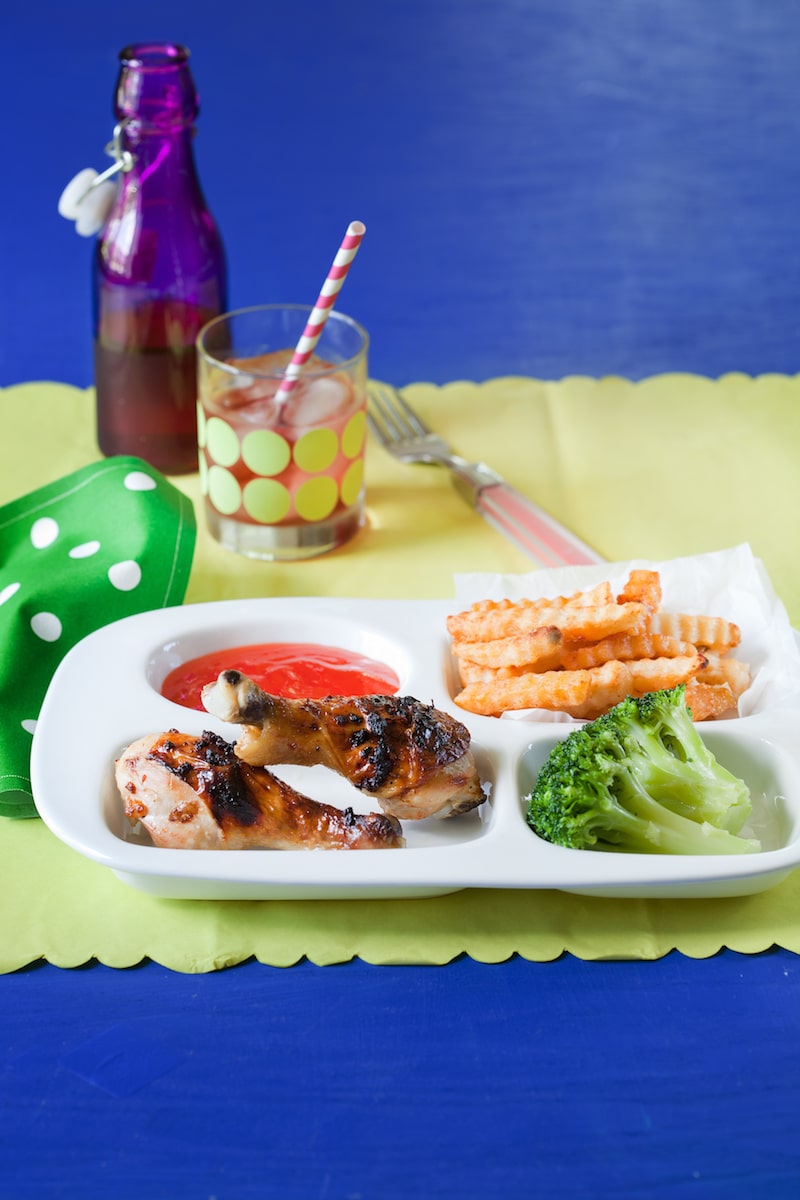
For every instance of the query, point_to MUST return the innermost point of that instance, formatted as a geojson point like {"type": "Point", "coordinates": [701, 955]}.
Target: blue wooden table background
{"type": "Point", "coordinates": [551, 187]}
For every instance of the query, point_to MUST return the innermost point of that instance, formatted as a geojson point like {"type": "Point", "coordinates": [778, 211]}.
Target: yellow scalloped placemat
{"type": "Point", "coordinates": [669, 466]}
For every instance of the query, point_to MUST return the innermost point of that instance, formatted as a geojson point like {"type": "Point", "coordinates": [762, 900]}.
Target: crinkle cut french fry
{"type": "Point", "coordinates": [476, 623]}
{"type": "Point", "coordinates": [546, 649]}
{"type": "Point", "coordinates": [644, 587]}
{"type": "Point", "coordinates": [582, 694]}
{"type": "Point", "coordinates": [562, 691]}
{"type": "Point", "coordinates": [653, 674]}
{"type": "Point", "coordinates": [707, 633]}
{"type": "Point", "coordinates": [600, 621]}
{"type": "Point", "coordinates": [487, 612]}
{"type": "Point", "coordinates": [540, 648]}
{"type": "Point", "coordinates": [470, 672]}
{"type": "Point", "coordinates": [625, 647]}
{"type": "Point", "coordinates": [576, 623]}
{"type": "Point", "coordinates": [583, 653]}
{"type": "Point", "coordinates": [601, 593]}
{"type": "Point", "coordinates": [731, 671]}
{"type": "Point", "coordinates": [708, 700]}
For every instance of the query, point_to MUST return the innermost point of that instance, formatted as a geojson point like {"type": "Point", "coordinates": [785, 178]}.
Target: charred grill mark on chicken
{"type": "Point", "coordinates": [195, 793]}
{"type": "Point", "coordinates": [209, 766]}
{"type": "Point", "coordinates": [414, 758]}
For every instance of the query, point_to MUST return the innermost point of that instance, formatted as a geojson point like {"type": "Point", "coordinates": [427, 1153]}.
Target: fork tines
{"type": "Point", "coordinates": [399, 421]}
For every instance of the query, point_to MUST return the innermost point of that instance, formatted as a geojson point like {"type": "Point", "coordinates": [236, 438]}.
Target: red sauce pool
{"type": "Point", "coordinates": [296, 670]}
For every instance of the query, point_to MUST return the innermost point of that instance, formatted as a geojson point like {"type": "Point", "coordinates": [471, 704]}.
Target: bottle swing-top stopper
{"type": "Point", "coordinates": [88, 196]}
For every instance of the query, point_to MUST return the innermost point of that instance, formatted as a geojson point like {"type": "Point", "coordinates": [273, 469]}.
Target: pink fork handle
{"type": "Point", "coordinates": [532, 529]}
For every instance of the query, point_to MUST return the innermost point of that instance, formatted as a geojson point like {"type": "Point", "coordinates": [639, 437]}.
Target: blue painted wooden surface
{"type": "Point", "coordinates": [566, 1079]}
{"type": "Point", "coordinates": [549, 188]}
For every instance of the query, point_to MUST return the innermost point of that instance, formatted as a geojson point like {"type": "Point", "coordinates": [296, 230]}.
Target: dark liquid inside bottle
{"type": "Point", "coordinates": [161, 386]}
{"type": "Point", "coordinates": [146, 372]}
{"type": "Point", "coordinates": [159, 270]}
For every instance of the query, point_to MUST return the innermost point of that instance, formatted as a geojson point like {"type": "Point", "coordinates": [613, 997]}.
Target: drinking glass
{"type": "Point", "coordinates": [282, 475]}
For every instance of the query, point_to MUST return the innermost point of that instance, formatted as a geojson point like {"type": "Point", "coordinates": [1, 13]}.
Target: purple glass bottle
{"type": "Point", "coordinates": [159, 268]}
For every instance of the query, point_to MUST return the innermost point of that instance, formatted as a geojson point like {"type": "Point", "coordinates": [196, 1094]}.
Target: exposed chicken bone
{"type": "Point", "coordinates": [194, 793]}
{"type": "Point", "coordinates": [414, 759]}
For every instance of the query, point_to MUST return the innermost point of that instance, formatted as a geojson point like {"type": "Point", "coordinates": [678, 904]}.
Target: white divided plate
{"type": "Point", "coordinates": [106, 693]}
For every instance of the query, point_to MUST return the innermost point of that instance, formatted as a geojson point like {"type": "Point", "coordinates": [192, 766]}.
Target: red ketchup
{"type": "Point", "coordinates": [292, 669]}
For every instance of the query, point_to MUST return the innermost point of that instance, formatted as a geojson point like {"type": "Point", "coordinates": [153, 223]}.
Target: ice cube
{"type": "Point", "coordinates": [253, 403]}
{"type": "Point", "coordinates": [315, 402]}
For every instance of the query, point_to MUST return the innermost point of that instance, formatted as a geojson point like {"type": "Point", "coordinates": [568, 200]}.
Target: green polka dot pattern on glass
{"type": "Point", "coordinates": [260, 476]}
{"type": "Point", "coordinates": [266, 452]}
{"type": "Point", "coordinates": [266, 501]}
{"type": "Point", "coordinates": [316, 498]}
{"type": "Point", "coordinates": [351, 484]}
{"type": "Point", "coordinates": [315, 451]}
{"type": "Point", "coordinates": [224, 491]}
{"type": "Point", "coordinates": [222, 442]}
{"type": "Point", "coordinates": [354, 434]}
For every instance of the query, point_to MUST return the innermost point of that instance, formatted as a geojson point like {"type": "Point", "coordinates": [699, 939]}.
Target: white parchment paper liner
{"type": "Point", "coordinates": [724, 583]}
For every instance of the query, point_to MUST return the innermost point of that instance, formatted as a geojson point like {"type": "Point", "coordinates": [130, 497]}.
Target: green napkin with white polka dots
{"type": "Point", "coordinates": [110, 540]}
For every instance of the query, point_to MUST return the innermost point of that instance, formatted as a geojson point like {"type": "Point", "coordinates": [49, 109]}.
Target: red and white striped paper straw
{"type": "Point", "coordinates": [325, 301]}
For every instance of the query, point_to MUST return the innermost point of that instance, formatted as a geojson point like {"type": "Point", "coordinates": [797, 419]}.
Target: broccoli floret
{"type": "Point", "coordinates": [640, 778]}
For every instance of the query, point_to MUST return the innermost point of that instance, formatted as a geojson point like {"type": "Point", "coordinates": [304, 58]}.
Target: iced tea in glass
{"type": "Point", "coordinates": [282, 476]}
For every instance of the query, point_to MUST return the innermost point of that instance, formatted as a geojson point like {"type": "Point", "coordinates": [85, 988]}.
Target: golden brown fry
{"type": "Point", "coordinates": [582, 694]}
{"type": "Point", "coordinates": [540, 648]}
{"type": "Point", "coordinates": [593, 623]}
{"type": "Point", "coordinates": [581, 654]}
{"type": "Point", "coordinates": [653, 674]}
{"type": "Point", "coordinates": [563, 691]}
{"type": "Point", "coordinates": [644, 587]}
{"type": "Point", "coordinates": [488, 606]}
{"type": "Point", "coordinates": [707, 633]}
{"type": "Point", "coordinates": [576, 623]}
{"type": "Point", "coordinates": [601, 593]}
{"type": "Point", "coordinates": [731, 671]}
{"type": "Point", "coordinates": [546, 649]}
{"type": "Point", "coordinates": [626, 647]}
{"type": "Point", "coordinates": [477, 622]}
{"type": "Point", "coordinates": [708, 700]}
{"type": "Point", "coordinates": [485, 613]}
{"type": "Point", "coordinates": [470, 672]}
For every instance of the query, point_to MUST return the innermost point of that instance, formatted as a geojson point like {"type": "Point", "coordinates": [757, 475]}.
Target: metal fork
{"type": "Point", "coordinates": [402, 432]}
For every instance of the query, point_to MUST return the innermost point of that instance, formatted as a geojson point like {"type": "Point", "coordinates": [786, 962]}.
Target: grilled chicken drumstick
{"type": "Point", "coordinates": [414, 759]}
{"type": "Point", "coordinates": [193, 793]}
